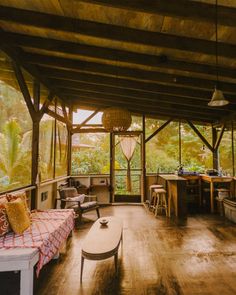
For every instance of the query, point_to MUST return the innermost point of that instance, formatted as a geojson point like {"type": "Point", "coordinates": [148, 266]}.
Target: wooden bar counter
{"type": "Point", "coordinates": [215, 179]}
{"type": "Point", "coordinates": [176, 192]}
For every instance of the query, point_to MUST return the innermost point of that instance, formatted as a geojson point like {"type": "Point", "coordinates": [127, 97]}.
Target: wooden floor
{"type": "Point", "coordinates": [159, 256]}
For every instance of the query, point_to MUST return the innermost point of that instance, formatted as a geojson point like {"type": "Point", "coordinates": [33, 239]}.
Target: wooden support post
{"type": "Point", "coordinates": [217, 144]}
{"type": "Point", "coordinates": [180, 146]}
{"type": "Point", "coordinates": [35, 142]}
{"type": "Point", "coordinates": [112, 166]}
{"type": "Point", "coordinates": [215, 151]}
{"type": "Point", "coordinates": [69, 148]}
{"type": "Point", "coordinates": [143, 157]}
{"type": "Point", "coordinates": [232, 142]}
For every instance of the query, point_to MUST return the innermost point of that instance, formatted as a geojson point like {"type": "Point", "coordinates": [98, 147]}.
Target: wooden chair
{"type": "Point", "coordinates": [70, 199]}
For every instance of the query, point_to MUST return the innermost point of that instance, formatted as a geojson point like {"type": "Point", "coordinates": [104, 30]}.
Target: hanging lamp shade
{"type": "Point", "coordinates": [218, 99]}
{"type": "Point", "coordinates": [116, 119]}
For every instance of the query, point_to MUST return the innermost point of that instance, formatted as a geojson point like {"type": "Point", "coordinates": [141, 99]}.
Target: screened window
{"type": "Point", "coordinates": [61, 149]}
{"type": "Point", "coordinates": [90, 153]}
{"type": "Point", "coordinates": [46, 147]}
{"type": "Point", "coordinates": [15, 136]}
{"type": "Point", "coordinates": [225, 154]}
{"type": "Point", "coordinates": [162, 151]}
{"type": "Point", "coordinates": [195, 154]}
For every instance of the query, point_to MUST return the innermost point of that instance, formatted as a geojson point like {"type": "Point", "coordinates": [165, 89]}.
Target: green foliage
{"type": "Point", "coordinates": [15, 157]}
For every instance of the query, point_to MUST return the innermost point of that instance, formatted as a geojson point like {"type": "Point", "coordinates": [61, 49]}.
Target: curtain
{"type": "Point", "coordinates": [128, 144]}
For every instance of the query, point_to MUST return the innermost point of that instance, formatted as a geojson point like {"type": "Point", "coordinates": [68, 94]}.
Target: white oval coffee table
{"type": "Point", "coordinates": [102, 242]}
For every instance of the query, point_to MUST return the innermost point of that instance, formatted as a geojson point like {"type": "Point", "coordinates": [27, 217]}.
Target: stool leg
{"type": "Point", "coordinates": [166, 207]}
{"type": "Point", "coordinates": [157, 203]}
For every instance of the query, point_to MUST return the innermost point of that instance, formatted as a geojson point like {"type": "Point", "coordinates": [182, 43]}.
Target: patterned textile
{"type": "Point", "coordinates": [4, 223]}
{"type": "Point", "coordinates": [48, 232]}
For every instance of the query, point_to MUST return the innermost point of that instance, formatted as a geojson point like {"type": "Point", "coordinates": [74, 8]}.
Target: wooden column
{"type": "Point", "coordinates": [143, 158]}
{"type": "Point", "coordinates": [180, 145]}
{"type": "Point", "coordinates": [69, 148]}
{"type": "Point", "coordinates": [215, 151]}
{"type": "Point", "coordinates": [112, 165]}
{"type": "Point", "coordinates": [35, 142]}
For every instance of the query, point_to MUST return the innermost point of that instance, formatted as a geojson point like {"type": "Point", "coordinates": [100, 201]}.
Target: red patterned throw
{"type": "Point", "coordinates": [4, 223]}
{"type": "Point", "coordinates": [48, 231]}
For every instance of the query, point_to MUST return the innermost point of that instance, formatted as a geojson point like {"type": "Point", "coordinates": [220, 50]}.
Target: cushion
{"type": "Point", "coordinates": [17, 216]}
{"type": "Point", "coordinates": [22, 196]}
{"type": "Point", "coordinates": [68, 192]}
{"type": "Point", "coordinates": [88, 205]}
{"type": "Point", "coordinates": [4, 223]}
{"type": "Point", "coordinates": [71, 204]}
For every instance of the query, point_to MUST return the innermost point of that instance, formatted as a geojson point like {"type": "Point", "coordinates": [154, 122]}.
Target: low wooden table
{"type": "Point", "coordinates": [102, 242]}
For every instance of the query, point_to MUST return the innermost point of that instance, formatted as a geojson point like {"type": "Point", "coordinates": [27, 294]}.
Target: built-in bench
{"type": "Point", "coordinates": [36, 246]}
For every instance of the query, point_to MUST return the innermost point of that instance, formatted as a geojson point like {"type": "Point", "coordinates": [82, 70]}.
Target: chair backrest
{"type": "Point", "coordinates": [68, 192]}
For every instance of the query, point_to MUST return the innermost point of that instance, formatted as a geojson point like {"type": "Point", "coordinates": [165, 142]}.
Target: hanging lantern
{"type": "Point", "coordinates": [116, 119]}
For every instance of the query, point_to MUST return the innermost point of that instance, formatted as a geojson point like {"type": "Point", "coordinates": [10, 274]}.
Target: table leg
{"type": "Point", "coordinates": [26, 281]}
{"type": "Point", "coordinates": [81, 268]}
{"type": "Point", "coordinates": [212, 196]}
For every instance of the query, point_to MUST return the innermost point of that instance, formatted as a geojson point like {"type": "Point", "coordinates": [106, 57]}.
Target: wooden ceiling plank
{"type": "Point", "coordinates": [107, 97]}
{"type": "Point", "coordinates": [137, 75]}
{"type": "Point", "coordinates": [141, 91]}
{"type": "Point", "coordinates": [201, 94]}
{"type": "Point", "coordinates": [86, 103]}
{"type": "Point", "coordinates": [112, 54]}
{"type": "Point", "coordinates": [115, 33]}
{"type": "Point", "coordinates": [176, 8]}
{"type": "Point", "coordinates": [129, 104]}
{"type": "Point", "coordinates": [150, 99]}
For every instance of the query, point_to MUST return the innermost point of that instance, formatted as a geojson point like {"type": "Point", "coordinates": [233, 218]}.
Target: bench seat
{"type": "Point", "coordinates": [36, 246]}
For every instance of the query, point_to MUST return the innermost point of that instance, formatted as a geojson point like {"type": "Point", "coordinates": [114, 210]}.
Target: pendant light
{"type": "Point", "coordinates": [218, 98]}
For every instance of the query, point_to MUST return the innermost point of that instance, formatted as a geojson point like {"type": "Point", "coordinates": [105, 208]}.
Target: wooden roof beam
{"type": "Point", "coordinates": [86, 103]}
{"type": "Point", "coordinates": [144, 106]}
{"type": "Point", "coordinates": [154, 93]}
{"type": "Point", "coordinates": [131, 74]}
{"type": "Point", "coordinates": [15, 39]}
{"type": "Point", "coordinates": [150, 99]}
{"type": "Point", "coordinates": [176, 8]}
{"type": "Point", "coordinates": [113, 32]}
{"type": "Point", "coordinates": [110, 98]}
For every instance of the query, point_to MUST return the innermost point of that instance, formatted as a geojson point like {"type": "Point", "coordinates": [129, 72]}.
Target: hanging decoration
{"type": "Point", "coordinates": [116, 119]}
{"type": "Point", "coordinates": [128, 144]}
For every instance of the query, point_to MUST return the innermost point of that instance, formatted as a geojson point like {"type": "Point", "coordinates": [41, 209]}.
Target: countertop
{"type": "Point", "coordinates": [171, 177]}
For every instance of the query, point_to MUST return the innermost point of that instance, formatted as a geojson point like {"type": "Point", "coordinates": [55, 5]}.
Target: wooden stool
{"type": "Point", "coordinates": [153, 195]}
{"type": "Point", "coordinates": [161, 201]}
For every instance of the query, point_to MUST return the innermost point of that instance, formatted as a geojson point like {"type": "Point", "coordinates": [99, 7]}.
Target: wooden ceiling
{"type": "Point", "coordinates": [152, 57]}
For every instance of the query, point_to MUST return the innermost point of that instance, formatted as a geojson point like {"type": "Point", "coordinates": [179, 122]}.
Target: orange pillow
{"type": "Point", "coordinates": [17, 216]}
{"type": "Point", "coordinates": [22, 196]}
{"type": "Point", "coordinates": [4, 223]}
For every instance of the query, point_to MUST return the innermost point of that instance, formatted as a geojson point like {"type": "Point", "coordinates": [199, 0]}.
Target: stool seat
{"type": "Point", "coordinates": [151, 189]}
{"type": "Point", "coordinates": [160, 190]}
{"type": "Point", "coordinates": [153, 186]}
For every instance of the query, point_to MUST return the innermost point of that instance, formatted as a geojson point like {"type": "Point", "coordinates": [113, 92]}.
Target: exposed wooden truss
{"type": "Point", "coordinates": [105, 59]}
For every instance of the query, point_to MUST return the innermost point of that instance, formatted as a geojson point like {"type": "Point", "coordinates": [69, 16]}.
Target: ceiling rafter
{"type": "Point", "coordinates": [160, 62]}
{"type": "Point", "coordinates": [113, 32]}
{"type": "Point", "coordinates": [176, 8]}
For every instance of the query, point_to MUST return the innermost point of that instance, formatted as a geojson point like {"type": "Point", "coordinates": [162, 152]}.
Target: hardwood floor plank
{"type": "Point", "coordinates": [159, 256]}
